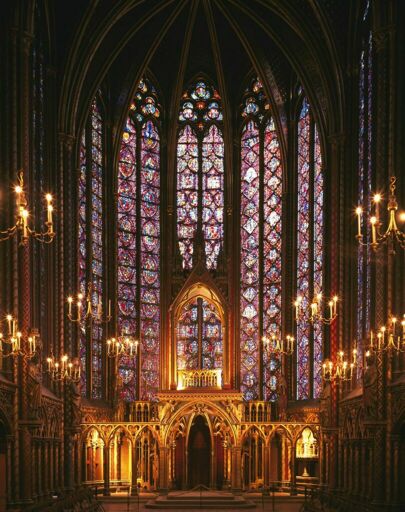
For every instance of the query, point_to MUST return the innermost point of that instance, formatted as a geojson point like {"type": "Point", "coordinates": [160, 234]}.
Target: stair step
{"type": "Point", "coordinates": [195, 500]}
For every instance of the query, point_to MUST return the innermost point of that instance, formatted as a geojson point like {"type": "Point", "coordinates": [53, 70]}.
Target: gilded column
{"type": "Point", "coordinates": [236, 469]}
{"type": "Point", "coordinates": [134, 468]}
{"type": "Point", "coordinates": [106, 469]}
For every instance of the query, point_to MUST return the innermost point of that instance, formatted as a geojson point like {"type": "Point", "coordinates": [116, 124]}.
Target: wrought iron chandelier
{"type": "Point", "coordinates": [390, 337]}
{"type": "Point", "coordinates": [21, 228]}
{"type": "Point", "coordinates": [392, 233]}
{"type": "Point", "coordinates": [122, 345]}
{"type": "Point", "coordinates": [63, 369]}
{"type": "Point", "coordinates": [316, 309]}
{"type": "Point", "coordinates": [83, 309]}
{"type": "Point", "coordinates": [279, 345]}
{"type": "Point", "coordinates": [13, 343]}
{"type": "Point", "coordinates": [339, 370]}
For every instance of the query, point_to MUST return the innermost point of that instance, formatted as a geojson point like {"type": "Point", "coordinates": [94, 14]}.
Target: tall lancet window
{"type": "Point", "coordinates": [200, 174]}
{"type": "Point", "coordinates": [261, 234]}
{"type": "Point", "coordinates": [138, 258]}
{"type": "Point", "coordinates": [91, 259]}
{"type": "Point", "coordinates": [365, 179]}
{"type": "Point", "coordinates": [310, 249]}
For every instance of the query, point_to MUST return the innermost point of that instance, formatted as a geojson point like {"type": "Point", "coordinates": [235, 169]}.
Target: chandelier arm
{"type": "Point", "coordinates": [8, 233]}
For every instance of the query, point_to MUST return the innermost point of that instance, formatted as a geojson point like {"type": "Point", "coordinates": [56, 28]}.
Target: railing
{"type": "Point", "coordinates": [143, 412]}
{"type": "Point", "coordinates": [257, 412]}
{"type": "Point", "coordinates": [188, 379]}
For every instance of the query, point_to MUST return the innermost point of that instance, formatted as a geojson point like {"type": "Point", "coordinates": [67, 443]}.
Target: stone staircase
{"type": "Point", "coordinates": [200, 498]}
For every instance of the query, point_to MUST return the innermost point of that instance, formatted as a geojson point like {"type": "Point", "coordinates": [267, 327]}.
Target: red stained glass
{"type": "Point", "coordinates": [213, 194]}
{"type": "Point", "coordinates": [150, 255]}
{"type": "Point", "coordinates": [272, 234]}
{"type": "Point", "coordinates": [126, 257]}
{"type": "Point", "coordinates": [310, 249]}
{"type": "Point", "coordinates": [96, 244]}
{"type": "Point", "coordinates": [187, 193]}
{"type": "Point", "coordinates": [250, 248]}
{"type": "Point", "coordinates": [261, 232]}
{"type": "Point", "coordinates": [139, 229]}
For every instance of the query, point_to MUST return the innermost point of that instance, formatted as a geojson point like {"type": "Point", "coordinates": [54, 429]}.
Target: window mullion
{"type": "Point", "coordinates": [261, 259]}
{"type": "Point", "coordinates": [138, 172]}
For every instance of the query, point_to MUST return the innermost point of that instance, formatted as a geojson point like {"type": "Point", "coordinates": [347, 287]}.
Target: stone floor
{"type": "Point", "coordinates": [282, 503]}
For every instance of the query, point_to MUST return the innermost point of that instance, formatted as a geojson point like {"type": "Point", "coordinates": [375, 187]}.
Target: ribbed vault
{"type": "Point", "coordinates": [283, 41]}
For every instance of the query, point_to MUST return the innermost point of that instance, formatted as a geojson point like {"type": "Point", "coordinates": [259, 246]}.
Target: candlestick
{"type": "Point", "coordinates": [359, 211]}
{"type": "Point", "coordinates": [377, 199]}
{"type": "Point", "coordinates": [373, 221]}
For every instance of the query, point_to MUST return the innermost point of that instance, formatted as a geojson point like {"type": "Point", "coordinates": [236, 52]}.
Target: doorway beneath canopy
{"type": "Point", "coordinates": [199, 453]}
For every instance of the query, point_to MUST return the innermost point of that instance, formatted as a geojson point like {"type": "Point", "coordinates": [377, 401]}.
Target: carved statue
{"type": "Point", "coordinates": [370, 391]}
{"type": "Point", "coordinates": [34, 391]}
{"type": "Point", "coordinates": [282, 398]}
{"type": "Point", "coordinates": [74, 398]}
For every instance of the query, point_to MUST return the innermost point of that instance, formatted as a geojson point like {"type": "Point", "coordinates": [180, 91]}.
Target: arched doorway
{"type": "Point", "coordinates": [199, 453]}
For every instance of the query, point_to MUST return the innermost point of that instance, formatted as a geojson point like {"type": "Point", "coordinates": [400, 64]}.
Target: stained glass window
{"type": "Point", "coordinates": [90, 259]}
{"type": "Point", "coordinates": [309, 253]}
{"type": "Point", "coordinates": [365, 138]}
{"type": "Point", "coordinates": [138, 229]}
{"type": "Point", "coordinates": [199, 336]}
{"type": "Point", "coordinates": [261, 231]}
{"type": "Point", "coordinates": [200, 186]}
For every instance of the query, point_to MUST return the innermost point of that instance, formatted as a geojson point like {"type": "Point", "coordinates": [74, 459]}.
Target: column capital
{"type": "Point", "coordinates": [337, 139]}
{"type": "Point", "coordinates": [67, 140]}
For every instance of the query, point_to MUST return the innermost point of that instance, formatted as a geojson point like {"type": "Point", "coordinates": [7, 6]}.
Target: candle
{"type": "Point", "coordinates": [109, 308]}
{"type": "Point", "coordinates": [18, 344]}
{"type": "Point", "coordinates": [70, 300]}
{"type": "Point", "coordinates": [49, 360]}
{"type": "Point", "coordinates": [50, 210]}
{"type": "Point", "coordinates": [383, 334]}
{"type": "Point", "coordinates": [24, 214]}
{"type": "Point", "coordinates": [99, 310]}
{"type": "Point", "coordinates": [9, 319]}
{"type": "Point", "coordinates": [335, 299]}
{"type": "Point", "coordinates": [377, 199]}
{"type": "Point", "coordinates": [314, 309]}
{"type": "Point", "coordinates": [354, 355]}
{"type": "Point", "coordinates": [373, 221]}
{"type": "Point", "coordinates": [297, 304]}
{"type": "Point", "coordinates": [371, 340]}
{"type": "Point", "coordinates": [359, 211]}
{"type": "Point", "coordinates": [18, 191]}
{"type": "Point", "coordinates": [394, 324]}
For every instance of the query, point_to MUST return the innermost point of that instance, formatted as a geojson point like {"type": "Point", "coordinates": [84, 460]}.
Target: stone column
{"type": "Point", "coordinates": [293, 469]}
{"type": "Point", "coordinates": [134, 468]}
{"type": "Point", "coordinates": [106, 470]}
{"type": "Point", "coordinates": [164, 454]}
{"type": "Point", "coordinates": [236, 469]}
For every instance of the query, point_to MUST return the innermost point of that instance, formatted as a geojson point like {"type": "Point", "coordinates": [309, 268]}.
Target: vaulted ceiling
{"type": "Point", "coordinates": [283, 41]}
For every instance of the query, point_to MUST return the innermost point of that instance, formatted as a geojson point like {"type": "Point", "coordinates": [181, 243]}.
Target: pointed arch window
{"type": "Point", "coordinates": [261, 235]}
{"type": "Point", "coordinates": [138, 229]}
{"type": "Point", "coordinates": [365, 179]}
{"type": "Point", "coordinates": [199, 336]}
{"type": "Point", "coordinates": [200, 174]}
{"type": "Point", "coordinates": [91, 257]}
{"type": "Point", "coordinates": [310, 250]}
